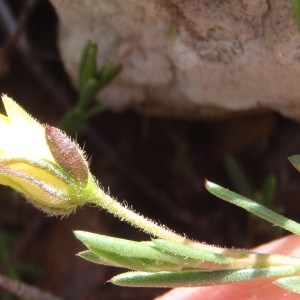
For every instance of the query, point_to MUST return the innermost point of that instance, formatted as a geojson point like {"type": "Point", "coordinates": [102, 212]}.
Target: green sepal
{"type": "Point", "coordinates": [253, 207]}
{"type": "Point", "coordinates": [291, 284]}
{"type": "Point", "coordinates": [197, 278]}
{"type": "Point", "coordinates": [191, 255]}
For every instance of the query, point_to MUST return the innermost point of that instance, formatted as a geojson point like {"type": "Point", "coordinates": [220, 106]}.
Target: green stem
{"type": "Point", "coordinates": [135, 219]}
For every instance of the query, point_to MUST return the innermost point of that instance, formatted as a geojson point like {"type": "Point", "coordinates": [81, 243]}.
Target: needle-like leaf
{"type": "Point", "coordinates": [253, 207]}
{"type": "Point", "coordinates": [291, 284]}
{"type": "Point", "coordinates": [189, 253]}
{"type": "Point", "coordinates": [197, 278]}
{"type": "Point", "coordinates": [123, 247]}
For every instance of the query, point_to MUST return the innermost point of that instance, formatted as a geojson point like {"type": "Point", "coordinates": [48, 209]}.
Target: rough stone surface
{"type": "Point", "coordinates": [189, 58]}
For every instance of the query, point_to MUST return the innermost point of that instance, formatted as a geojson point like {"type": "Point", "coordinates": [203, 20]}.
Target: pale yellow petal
{"type": "Point", "coordinates": [20, 134]}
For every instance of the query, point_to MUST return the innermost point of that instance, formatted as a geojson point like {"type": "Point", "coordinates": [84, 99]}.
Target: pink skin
{"type": "Point", "coordinates": [255, 289]}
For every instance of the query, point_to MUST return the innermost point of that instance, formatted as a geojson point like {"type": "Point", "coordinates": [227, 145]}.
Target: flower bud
{"type": "Point", "coordinates": [42, 163]}
{"type": "Point", "coordinates": [67, 154]}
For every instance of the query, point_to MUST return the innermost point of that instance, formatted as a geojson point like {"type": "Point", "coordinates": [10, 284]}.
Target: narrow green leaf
{"type": "Point", "coordinates": [197, 278]}
{"type": "Point", "coordinates": [107, 73]}
{"type": "Point", "coordinates": [253, 207]}
{"type": "Point", "coordinates": [92, 257]}
{"type": "Point", "coordinates": [296, 7]}
{"type": "Point", "coordinates": [82, 64]}
{"type": "Point", "coordinates": [136, 263]}
{"type": "Point", "coordinates": [88, 63]}
{"type": "Point", "coordinates": [189, 253]}
{"type": "Point", "coordinates": [133, 263]}
{"type": "Point", "coordinates": [123, 247]}
{"type": "Point", "coordinates": [291, 284]}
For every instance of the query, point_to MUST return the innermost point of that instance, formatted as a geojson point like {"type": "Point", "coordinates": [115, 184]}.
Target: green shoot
{"type": "Point", "coordinates": [91, 81]}
{"type": "Point", "coordinates": [296, 8]}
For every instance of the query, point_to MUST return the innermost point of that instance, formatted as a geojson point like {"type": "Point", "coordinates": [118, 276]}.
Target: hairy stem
{"type": "Point", "coordinates": [125, 214]}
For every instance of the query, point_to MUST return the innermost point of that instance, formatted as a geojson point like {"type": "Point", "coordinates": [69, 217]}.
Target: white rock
{"type": "Point", "coordinates": [192, 58]}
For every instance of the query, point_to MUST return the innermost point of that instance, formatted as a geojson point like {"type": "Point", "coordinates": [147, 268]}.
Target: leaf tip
{"type": "Point", "coordinates": [295, 161]}
{"type": "Point", "coordinates": [208, 184]}
{"type": "Point", "coordinates": [78, 233]}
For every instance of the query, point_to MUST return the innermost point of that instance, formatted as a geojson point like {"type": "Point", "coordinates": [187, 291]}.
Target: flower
{"type": "Point", "coordinates": [42, 162]}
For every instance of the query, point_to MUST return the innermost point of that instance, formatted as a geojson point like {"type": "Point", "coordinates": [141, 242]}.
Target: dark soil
{"type": "Point", "coordinates": [157, 165]}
